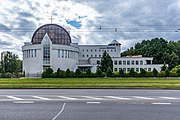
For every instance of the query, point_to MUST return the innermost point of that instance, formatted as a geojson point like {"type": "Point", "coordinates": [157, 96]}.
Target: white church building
{"type": "Point", "coordinates": [51, 46]}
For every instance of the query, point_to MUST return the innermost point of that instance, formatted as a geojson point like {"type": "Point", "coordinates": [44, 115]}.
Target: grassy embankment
{"type": "Point", "coordinates": [91, 83]}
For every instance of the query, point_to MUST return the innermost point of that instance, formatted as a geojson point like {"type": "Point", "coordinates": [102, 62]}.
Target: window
{"type": "Point", "coordinates": [128, 69]}
{"type": "Point", "coordinates": [141, 69]}
{"type": "Point", "coordinates": [124, 69]}
{"type": "Point", "coordinates": [91, 55]}
{"type": "Point", "coordinates": [149, 69]}
{"type": "Point", "coordinates": [82, 55]}
{"type": "Point", "coordinates": [107, 50]}
{"type": "Point", "coordinates": [128, 62]}
{"type": "Point", "coordinates": [120, 62]}
{"type": "Point", "coordinates": [83, 49]}
{"type": "Point", "coordinates": [46, 50]}
{"type": "Point", "coordinates": [95, 55]}
{"type": "Point", "coordinates": [99, 55]}
{"type": "Point", "coordinates": [114, 50]}
{"type": "Point", "coordinates": [65, 53]}
{"type": "Point", "coordinates": [115, 62]}
{"type": "Point", "coordinates": [137, 69]}
{"type": "Point", "coordinates": [145, 69]}
{"type": "Point", "coordinates": [115, 69]}
{"type": "Point", "coordinates": [95, 50]}
{"type": "Point", "coordinates": [87, 55]}
{"type": "Point", "coordinates": [98, 62]}
{"type": "Point", "coordinates": [99, 50]}
{"type": "Point", "coordinates": [124, 62]}
{"type": "Point", "coordinates": [35, 54]}
{"type": "Point", "coordinates": [58, 53]}
{"type": "Point", "coordinates": [91, 50]}
{"type": "Point", "coordinates": [137, 62]}
{"type": "Point", "coordinates": [68, 54]}
{"type": "Point", "coordinates": [111, 50]}
{"type": "Point", "coordinates": [132, 62]}
{"type": "Point", "coordinates": [32, 53]}
{"type": "Point", "coordinates": [87, 50]}
{"type": "Point", "coordinates": [141, 62]}
{"type": "Point", "coordinates": [62, 53]}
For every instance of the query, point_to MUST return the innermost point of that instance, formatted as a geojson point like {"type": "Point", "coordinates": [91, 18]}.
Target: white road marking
{"type": "Point", "coordinates": [42, 98]}
{"type": "Point", "coordinates": [23, 102]}
{"type": "Point", "coordinates": [14, 98]}
{"type": "Point", "coordinates": [93, 102]}
{"type": "Point", "coordinates": [146, 98]}
{"type": "Point", "coordinates": [170, 98]}
{"type": "Point", "coordinates": [119, 98]}
{"type": "Point", "coordinates": [69, 98]}
{"type": "Point", "coordinates": [60, 111]}
{"type": "Point", "coordinates": [94, 98]}
{"type": "Point", "coordinates": [161, 103]}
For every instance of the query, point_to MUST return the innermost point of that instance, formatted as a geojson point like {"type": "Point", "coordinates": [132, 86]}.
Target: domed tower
{"type": "Point", "coordinates": [50, 47]}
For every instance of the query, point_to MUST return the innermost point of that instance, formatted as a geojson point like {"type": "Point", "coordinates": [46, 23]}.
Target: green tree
{"type": "Point", "coordinates": [173, 61]}
{"type": "Point", "coordinates": [155, 72]}
{"type": "Point", "coordinates": [121, 72]}
{"type": "Point", "coordinates": [47, 73]}
{"type": "Point", "coordinates": [132, 72]}
{"type": "Point", "coordinates": [109, 72]}
{"type": "Point", "coordinates": [78, 73]}
{"type": "Point", "coordinates": [98, 72]}
{"type": "Point", "coordinates": [58, 73]}
{"type": "Point", "coordinates": [67, 73]}
{"type": "Point", "coordinates": [167, 72]}
{"type": "Point", "coordinates": [88, 72]}
{"type": "Point", "coordinates": [10, 63]}
{"type": "Point", "coordinates": [142, 73]}
{"type": "Point", "coordinates": [106, 62]}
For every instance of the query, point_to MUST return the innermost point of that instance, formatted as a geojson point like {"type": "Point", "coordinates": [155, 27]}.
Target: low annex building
{"type": "Point", "coordinates": [51, 46]}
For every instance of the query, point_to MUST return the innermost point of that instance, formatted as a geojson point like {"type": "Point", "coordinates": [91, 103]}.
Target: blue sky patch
{"type": "Point", "coordinates": [74, 23]}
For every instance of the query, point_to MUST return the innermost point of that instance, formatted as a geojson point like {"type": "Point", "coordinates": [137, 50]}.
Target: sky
{"type": "Point", "coordinates": [90, 21]}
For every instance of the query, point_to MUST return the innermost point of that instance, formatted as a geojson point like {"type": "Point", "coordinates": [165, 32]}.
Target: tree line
{"type": "Point", "coordinates": [10, 65]}
{"type": "Point", "coordinates": [163, 51]}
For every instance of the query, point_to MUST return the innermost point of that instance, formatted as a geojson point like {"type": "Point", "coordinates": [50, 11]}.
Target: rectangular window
{"type": "Point", "coordinates": [115, 62]}
{"type": "Point", "coordinates": [65, 53]}
{"type": "Point", "coordinates": [128, 69]}
{"type": "Point", "coordinates": [62, 53]}
{"type": "Point", "coordinates": [82, 55]}
{"type": "Point", "coordinates": [132, 62]}
{"type": "Point", "coordinates": [141, 62]}
{"type": "Point", "coordinates": [141, 69]}
{"type": "Point", "coordinates": [124, 69]}
{"type": "Point", "coordinates": [120, 62]}
{"type": "Point", "coordinates": [137, 62]}
{"type": "Point", "coordinates": [99, 55]}
{"type": "Point", "coordinates": [32, 53]}
{"type": "Point", "coordinates": [35, 54]}
{"type": "Point", "coordinates": [98, 62]}
{"type": "Point", "coordinates": [115, 69]}
{"type": "Point", "coordinates": [95, 55]}
{"type": "Point", "coordinates": [149, 69]}
{"type": "Point", "coordinates": [124, 62]}
{"type": "Point", "coordinates": [58, 53]}
{"type": "Point", "coordinates": [137, 69]}
{"type": "Point", "coordinates": [128, 62]}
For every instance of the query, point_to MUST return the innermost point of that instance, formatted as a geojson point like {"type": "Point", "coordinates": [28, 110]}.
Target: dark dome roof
{"type": "Point", "coordinates": [56, 33]}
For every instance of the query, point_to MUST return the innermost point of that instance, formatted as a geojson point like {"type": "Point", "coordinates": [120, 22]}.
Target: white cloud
{"type": "Point", "coordinates": [22, 17]}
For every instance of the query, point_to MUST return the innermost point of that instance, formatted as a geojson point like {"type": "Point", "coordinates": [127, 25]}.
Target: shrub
{"type": "Point", "coordinates": [78, 73]}
{"type": "Point", "coordinates": [109, 72]}
{"type": "Point", "coordinates": [149, 74]}
{"type": "Point", "coordinates": [115, 74]}
{"type": "Point", "coordinates": [142, 73]}
{"type": "Point", "coordinates": [173, 74]}
{"type": "Point", "coordinates": [132, 72]}
{"type": "Point", "coordinates": [167, 72]}
{"type": "Point", "coordinates": [121, 72]}
{"type": "Point", "coordinates": [161, 74]}
{"type": "Point", "coordinates": [155, 72]}
{"type": "Point", "coordinates": [98, 72]}
{"type": "Point", "coordinates": [72, 74]}
{"type": "Point", "coordinates": [8, 75]}
{"type": "Point", "coordinates": [47, 73]}
{"type": "Point", "coordinates": [88, 72]}
{"type": "Point", "coordinates": [67, 73]}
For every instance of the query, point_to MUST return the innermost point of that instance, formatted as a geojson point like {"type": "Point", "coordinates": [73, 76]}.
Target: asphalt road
{"type": "Point", "coordinates": [89, 104]}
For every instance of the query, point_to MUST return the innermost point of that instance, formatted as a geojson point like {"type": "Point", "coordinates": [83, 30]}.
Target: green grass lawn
{"type": "Point", "coordinates": [90, 83]}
